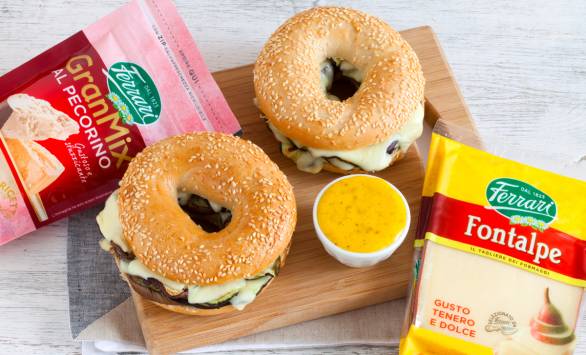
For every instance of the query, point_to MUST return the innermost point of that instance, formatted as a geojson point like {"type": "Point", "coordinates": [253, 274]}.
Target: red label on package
{"type": "Point", "coordinates": [478, 226]}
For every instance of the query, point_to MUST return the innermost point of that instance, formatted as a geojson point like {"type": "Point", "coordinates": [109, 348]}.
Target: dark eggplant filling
{"type": "Point", "coordinates": [201, 212]}
{"type": "Point", "coordinates": [154, 290]}
{"type": "Point", "coordinates": [295, 147]}
{"type": "Point", "coordinates": [340, 86]}
{"type": "Point", "coordinates": [292, 147]}
{"type": "Point", "coordinates": [392, 147]}
{"type": "Point", "coordinates": [121, 254]}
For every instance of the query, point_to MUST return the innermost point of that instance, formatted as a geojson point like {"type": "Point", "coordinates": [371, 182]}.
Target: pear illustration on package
{"type": "Point", "coordinates": [547, 334]}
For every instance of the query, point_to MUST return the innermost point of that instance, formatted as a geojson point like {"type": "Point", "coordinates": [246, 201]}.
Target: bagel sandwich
{"type": "Point", "coordinates": [340, 90]}
{"type": "Point", "coordinates": [194, 230]}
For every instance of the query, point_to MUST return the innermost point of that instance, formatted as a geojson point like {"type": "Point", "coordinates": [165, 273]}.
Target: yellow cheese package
{"type": "Point", "coordinates": [499, 263]}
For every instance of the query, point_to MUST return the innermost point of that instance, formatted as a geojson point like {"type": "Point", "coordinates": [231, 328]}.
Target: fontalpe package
{"type": "Point", "coordinates": [499, 265]}
{"type": "Point", "coordinates": [73, 117]}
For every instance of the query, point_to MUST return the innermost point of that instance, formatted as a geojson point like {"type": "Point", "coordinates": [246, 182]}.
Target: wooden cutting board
{"type": "Point", "coordinates": [313, 284]}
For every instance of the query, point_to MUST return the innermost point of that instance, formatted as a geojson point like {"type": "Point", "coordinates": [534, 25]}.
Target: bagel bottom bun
{"type": "Point", "coordinates": [368, 159]}
{"type": "Point", "coordinates": [186, 309]}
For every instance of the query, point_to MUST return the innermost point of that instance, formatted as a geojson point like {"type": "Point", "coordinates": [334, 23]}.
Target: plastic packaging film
{"type": "Point", "coordinates": [498, 267]}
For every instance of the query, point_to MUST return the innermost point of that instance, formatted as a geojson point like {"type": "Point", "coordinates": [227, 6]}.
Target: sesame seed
{"type": "Point", "coordinates": [289, 93]}
{"type": "Point", "coordinates": [165, 239]}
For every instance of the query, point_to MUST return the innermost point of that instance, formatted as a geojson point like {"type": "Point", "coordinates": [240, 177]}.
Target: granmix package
{"type": "Point", "coordinates": [73, 117]}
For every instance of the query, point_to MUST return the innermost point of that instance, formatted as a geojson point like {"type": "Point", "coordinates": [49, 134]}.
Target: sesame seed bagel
{"type": "Point", "coordinates": [230, 171]}
{"type": "Point", "coordinates": [289, 90]}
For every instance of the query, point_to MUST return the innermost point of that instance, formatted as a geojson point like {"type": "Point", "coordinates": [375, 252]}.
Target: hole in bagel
{"type": "Point", "coordinates": [210, 216]}
{"type": "Point", "coordinates": [340, 79]}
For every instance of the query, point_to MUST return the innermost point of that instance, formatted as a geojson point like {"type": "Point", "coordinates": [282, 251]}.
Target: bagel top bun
{"type": "Point", "coordinates": [289, 91]}
{"type": "Point", "coordinates": [227, 170]}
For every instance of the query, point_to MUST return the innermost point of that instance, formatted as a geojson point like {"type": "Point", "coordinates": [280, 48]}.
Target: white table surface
{"type": "Point", "coordinates": [521, 66]}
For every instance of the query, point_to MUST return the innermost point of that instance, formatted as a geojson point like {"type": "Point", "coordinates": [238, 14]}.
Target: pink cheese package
{"type": "Point", "coordinates": [73, 117]}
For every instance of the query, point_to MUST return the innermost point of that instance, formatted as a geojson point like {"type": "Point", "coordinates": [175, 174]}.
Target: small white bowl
{"type": "Point", "coordinates": [354, 259]}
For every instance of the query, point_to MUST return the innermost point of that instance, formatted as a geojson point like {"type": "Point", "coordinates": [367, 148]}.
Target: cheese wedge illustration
{"type": "Point", "coordinates": [35, 119]}
{"type": "Point", "coordinates": [37, 166]}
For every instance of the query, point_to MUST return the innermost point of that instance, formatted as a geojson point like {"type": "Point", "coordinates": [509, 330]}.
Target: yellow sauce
{"type": "Point", "coordinates": [361, 214]}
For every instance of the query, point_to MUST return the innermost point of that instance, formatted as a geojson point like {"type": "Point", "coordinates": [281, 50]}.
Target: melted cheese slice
{"type": "Point", "coordinates": [247, 294]}
{"type": "Point", "coordinates": [109, 223]}
{"type": "Point", "coordinates": [206, 294]}
{"type": "Point", "coordinates": [370, 158]}
{"type": "Point", "coordinates": [136, 268]}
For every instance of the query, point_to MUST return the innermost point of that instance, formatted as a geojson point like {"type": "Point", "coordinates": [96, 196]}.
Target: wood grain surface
{"type": "Point", "coordinates": [520, 64]}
